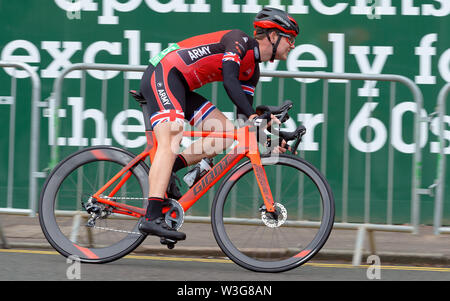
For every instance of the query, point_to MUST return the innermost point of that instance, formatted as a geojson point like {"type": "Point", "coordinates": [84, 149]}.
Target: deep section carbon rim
{"type": "Point", "coordinates": [72, 183]}
{"type": "Point", "coordinates": [260, 241]}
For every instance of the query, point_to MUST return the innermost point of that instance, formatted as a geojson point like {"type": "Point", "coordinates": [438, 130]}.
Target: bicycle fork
{"type": "Point", "coordinates": [260, 174]}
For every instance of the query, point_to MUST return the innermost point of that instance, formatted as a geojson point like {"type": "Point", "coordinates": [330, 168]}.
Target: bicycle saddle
{"type": "Point", "coordinates": [138, 96]}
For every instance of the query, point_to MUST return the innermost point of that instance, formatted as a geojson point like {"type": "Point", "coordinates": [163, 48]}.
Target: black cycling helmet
{"type": "Point", "coordinates": [275, 18]}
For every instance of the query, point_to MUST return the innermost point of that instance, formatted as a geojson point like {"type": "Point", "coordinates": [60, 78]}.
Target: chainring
{"type": "Point", "coordinates": [174, 217]}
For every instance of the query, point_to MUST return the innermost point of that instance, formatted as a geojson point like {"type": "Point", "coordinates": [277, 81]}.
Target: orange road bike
{"type": "Point", "coordinates": [269, 214]}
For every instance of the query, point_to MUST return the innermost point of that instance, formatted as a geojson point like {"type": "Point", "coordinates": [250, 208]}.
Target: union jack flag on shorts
{"type": "Point", "coordinates": [167, 115]}
{"type": "Point", "coordinates": [201, 113]}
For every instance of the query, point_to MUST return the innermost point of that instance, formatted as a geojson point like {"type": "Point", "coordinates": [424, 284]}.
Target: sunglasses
{"type": "Point", "coordinates": [290, 39]}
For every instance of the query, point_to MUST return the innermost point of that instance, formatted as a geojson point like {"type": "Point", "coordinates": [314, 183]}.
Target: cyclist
{"type": "Point", "coordinates": [230, 56]}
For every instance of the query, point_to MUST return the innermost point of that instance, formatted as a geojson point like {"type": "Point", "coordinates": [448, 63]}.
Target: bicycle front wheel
{"type": "Point", "coordinates": [260, 241]}
{"type": "Point", "coordinates": [71, 184]}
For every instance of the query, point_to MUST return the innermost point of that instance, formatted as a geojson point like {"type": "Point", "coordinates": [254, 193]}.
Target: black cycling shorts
{"type": "Point", "coordinates": [169, 98]}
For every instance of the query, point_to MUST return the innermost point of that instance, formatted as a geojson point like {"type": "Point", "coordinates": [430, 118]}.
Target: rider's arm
{"type": "Point", "coordinates": [249, 90]}
{"type": "Point", "coordinates": [236, 46]}
{"type": "Point", "coordinates": [243, 102]}
{"type": "Point", "coordinates": [239, 114]}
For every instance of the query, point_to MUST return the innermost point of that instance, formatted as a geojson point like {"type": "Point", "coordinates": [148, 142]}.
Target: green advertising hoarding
{"type": "Point", "coordinates": [409, 37]}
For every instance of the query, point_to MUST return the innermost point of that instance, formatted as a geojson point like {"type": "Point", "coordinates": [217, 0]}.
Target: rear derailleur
{"type": "Point", "coordinates": [96, 210]}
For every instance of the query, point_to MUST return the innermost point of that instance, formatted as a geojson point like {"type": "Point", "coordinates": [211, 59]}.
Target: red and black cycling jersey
{"type": "Point", "coordinates": [230, 56]}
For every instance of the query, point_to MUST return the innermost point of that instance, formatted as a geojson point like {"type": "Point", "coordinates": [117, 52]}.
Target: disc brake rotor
{"type": "Point", "coordinates": [274, 222]}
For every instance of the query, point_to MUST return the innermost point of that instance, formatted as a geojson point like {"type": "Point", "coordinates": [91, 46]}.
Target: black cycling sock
{"type": "Point", "coordinates": [154, 208]}
{"type": "Point", "coordinates": [180, 163]}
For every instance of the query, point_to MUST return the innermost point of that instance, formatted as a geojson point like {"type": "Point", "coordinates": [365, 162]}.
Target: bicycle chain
{"type": "Point", "coordinates": [116, 230]}
{"type": "Point", "coordinates": [123, 231]}
{"type": "Point", "coordinates": [121, 198]}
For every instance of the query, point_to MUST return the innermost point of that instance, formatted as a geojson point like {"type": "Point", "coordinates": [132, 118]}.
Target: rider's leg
{"type": "Point", "coordinates": [203, 115]}
{"type": "Point", "coordinates": [209, 147]}
{"type": "Point", "coordinates": [165, 95]}
{"type": "Point", "coordinates": [168, 135]}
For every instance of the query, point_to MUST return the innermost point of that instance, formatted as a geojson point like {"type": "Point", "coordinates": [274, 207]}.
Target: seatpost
{"type": "Point", "coordinates": [148, 126]}
{"type": "Point", "coordinates": [143, 104]}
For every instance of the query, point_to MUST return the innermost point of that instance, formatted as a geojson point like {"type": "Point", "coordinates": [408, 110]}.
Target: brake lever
{"type": "Point", "coordinates": [283, 117]}
{"type": "Point", "coordinates": [301, 130]}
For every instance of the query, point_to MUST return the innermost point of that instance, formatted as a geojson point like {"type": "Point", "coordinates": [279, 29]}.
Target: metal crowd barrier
{"type": "Point", "coordinates": [367, 228]}
{"type": "Point", "coordinates": [34, 173]}
{"type": "Point", "coordinates": [441, 164]}
{"type": "Point", "coordinates": [55, 99]}
{"type": "Point", "coordinates": [364, 228]}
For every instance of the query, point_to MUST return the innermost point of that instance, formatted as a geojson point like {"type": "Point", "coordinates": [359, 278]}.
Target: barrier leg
{"type": "Point", "coordinates": [359, 245]}
{"type": "Point", "coordinates": [75, 228]}
{"type": "Point", "coordinates": [3, 239]}
{"type": "Point", "coordinates": [373, 250]}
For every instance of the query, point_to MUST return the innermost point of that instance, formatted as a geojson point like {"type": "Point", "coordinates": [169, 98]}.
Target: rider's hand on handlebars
{"type": "Point", "coordinates": [251, 117]}
{"type": "Point", "coordinates": [273, 119]}
{"type": "Point", "coordinates": [282, 148]}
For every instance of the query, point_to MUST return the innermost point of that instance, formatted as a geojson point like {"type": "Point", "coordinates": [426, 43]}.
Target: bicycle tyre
{"type": "Point", "coordinates": [53, 190]}
{"type": "Point", "coordinates": [237, 239]}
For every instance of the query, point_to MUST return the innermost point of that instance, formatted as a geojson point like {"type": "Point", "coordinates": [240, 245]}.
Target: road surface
{"type": "Point", "coordinates": [49, 265]}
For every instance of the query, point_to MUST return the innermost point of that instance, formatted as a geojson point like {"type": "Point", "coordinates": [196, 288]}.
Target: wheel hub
{"type": "Point", "coordinates": [276, 219]}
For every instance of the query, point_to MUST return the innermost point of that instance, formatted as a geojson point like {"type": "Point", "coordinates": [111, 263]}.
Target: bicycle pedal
{"type": "Point", "coordinates": [170, 243]}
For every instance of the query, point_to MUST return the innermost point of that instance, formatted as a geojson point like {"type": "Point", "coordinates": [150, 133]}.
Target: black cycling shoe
{"type": "Point", "coordinates": [173, 191]}
{"type": "Point", "coordinates": [159, 228]}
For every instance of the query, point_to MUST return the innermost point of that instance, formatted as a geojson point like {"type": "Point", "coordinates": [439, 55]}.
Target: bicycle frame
{"type": "Point", "coordinates": [247, 147]}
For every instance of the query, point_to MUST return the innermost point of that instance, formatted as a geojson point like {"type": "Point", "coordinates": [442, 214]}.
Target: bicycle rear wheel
{"type": "Point", "coordinates": [71, 183]}
{"type": "Point", "coordinates": [259, 241]}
